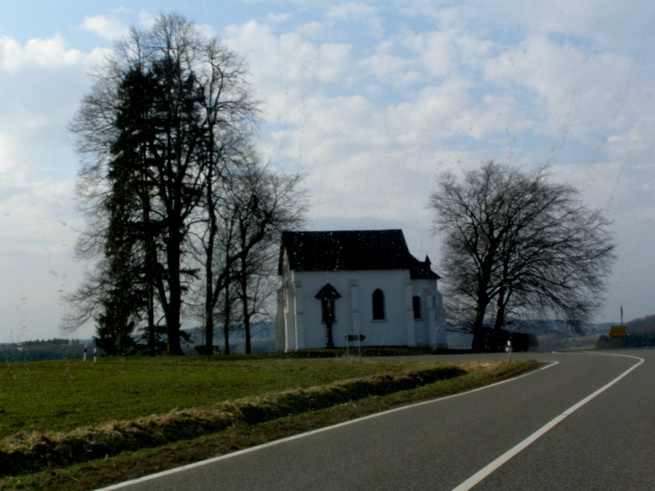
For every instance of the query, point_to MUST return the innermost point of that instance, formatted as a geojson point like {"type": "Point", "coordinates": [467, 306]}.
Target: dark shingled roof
{"type": "Point", "coordinates": [352, 250]}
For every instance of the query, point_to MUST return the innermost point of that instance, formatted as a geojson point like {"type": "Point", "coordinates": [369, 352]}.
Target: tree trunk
{"type": "Point", "coordinates": [500, 311]}
{"type": "Point", "coordinates": [174, 346]}
{"type": "Point", "coordinates": [152, 348]}
{"type": "Point", "coordinates": [209, 318]}
{"type": "Point", "coordinates": [244, 303]}
{"type": "Point", "coordinates": [174, 290]}
{"type": "Point", "coordinates": [209, 277]}
{"type": "Point", "coordinates": [151, 267]}
{"type": "Point", "coordinates": [227, 319]}
{"type": "Point", "coordinates": [478, 344]}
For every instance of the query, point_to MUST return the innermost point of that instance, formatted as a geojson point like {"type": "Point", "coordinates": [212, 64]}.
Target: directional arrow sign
{"type": "Point", "coordinates": [355, 337]}
{"type": "Point", "coordinates": [618, 331]}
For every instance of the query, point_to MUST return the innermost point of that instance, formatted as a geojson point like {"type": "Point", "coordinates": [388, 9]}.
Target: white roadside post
{"type": "Point", "coordinates": [84, 357]}
{"type": "Point", "coordinates": [508, 348]}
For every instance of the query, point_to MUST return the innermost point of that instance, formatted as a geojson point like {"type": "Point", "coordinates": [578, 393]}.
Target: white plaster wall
{"type": "Point", "coordinates": [391, 331]}
{"type": "Point", "coordinates": [431, 329]}
{"type": "Point", "coordinates": [300, 325]}
{"type": "Point", "coordinates": [280, 320]}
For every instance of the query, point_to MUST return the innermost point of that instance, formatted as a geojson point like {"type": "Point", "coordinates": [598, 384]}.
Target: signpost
{"type": "Point", "coordinates": [618, 331]}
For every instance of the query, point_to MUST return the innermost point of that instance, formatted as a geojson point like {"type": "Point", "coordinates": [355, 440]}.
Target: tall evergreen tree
{"type": "Point", "coordinates": [145, 130]}
{"type": "Point", "coordinates": [132, 217]}
{"type": "Point", "coordinates": [164, 135]}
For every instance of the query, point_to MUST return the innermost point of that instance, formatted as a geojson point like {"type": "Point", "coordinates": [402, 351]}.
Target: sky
{"type": "Point", "coordinates": [371, 100]}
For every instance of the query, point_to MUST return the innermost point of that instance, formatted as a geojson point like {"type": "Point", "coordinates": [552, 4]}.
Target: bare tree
{"type": "Point", "coordinates": [237, 243]}
{"type": "Point", "coordinates": [518, 245]}
{"type": "Point", "coordinates": [187, 102]}
{"type": "Point", "coordinates": [258, 205]}
{"type": "Point", "coordinates": [215, 230]}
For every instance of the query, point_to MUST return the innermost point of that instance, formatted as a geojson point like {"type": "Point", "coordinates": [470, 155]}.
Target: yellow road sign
{"type": "Point", "coordinates": [618, 331]}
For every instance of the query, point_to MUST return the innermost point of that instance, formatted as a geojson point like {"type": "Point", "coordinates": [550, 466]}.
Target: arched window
{"type": "Point", "coordinates": [378, 305]}
{"type": "Point", "coordinates": [416, 303]}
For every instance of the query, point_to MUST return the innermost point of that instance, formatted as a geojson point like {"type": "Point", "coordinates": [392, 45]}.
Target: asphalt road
{"type": "Point", "coordinates": [585, 422]}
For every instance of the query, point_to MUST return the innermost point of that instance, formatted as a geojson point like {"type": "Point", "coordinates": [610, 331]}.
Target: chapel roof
{"type": "Point", "coordinates": [350, 250]}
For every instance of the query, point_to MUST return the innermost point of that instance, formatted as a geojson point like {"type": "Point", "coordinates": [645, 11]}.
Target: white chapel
{"type": "Point", "coordinates": [359, 284]}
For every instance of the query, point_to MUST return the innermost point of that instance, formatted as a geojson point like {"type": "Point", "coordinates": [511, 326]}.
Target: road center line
{"type": "Point", "coordinates": [493, 466]}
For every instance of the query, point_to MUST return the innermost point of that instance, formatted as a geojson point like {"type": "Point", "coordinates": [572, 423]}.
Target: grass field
{"type": "Point", "coordinates": [63, 395]}
{"type": "Point", "coordinates": [128, 407]}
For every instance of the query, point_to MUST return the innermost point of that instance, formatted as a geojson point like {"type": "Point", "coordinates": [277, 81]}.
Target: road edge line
{"type": "Point", "coordinates": [218, 458]}
{"type": "Point", "coordinates": [512, 452]}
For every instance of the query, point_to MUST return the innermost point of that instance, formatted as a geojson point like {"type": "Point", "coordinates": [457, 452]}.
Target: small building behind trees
{"type": "Point", "coordinates": [356, 283]}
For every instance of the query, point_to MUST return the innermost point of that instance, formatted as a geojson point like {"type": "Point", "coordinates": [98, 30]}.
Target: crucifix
{"type": "Point", "coordinates": [327, 295]}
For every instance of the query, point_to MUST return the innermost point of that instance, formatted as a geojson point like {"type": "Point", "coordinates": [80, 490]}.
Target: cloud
{"type": "Point", "coordinates": [605, 24]}
{"type": "Point", "coordinates": [391, 69]}
{"type": "Point", "coordinates": [371, 120]}
{"type": "Point", "coordinates": [450, 87]}
{"type": "Point", "coordinates": [436, 52]}
{"type": "Point", "coordinates": [46, 81]}
{"type": "Point", "coordinates": [108, 27]}
{"type": "Point", "coordinates": [275, 17]}
{"type": "Point", "coordinates": [37, 211]}
{"type": "Point", "coordinates": [635, 144]}
{"type": "Point", "coordinates": [147, 19]}
{"type": "Point", "coordinates": [363, 155]}
{"type": "Point", "coordinates": [36, 52]}
{"type": "Point", "coordinates": [38, 223]}
{"type": "Point", "coordinates": [572, 93]}
{"type": "Point", "coordinates": [342, 16]}
{"type": "Point", "coordinates": [351, 11]}
{"type": "Point", "coordinates": [286, 69]}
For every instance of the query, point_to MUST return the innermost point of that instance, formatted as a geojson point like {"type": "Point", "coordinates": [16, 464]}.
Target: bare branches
{"type": "Point", "coordinates": [252, 205]}
{"type": "Point", "coordinates": [518, 245]}
{"type": "Point", "coordinates": [169, 172]}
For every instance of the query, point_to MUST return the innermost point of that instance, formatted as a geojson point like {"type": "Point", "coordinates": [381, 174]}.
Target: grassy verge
{"type": "Point", "coordinates": [256, 420]}
{"type": "Point", "coordinates": [64, 395]}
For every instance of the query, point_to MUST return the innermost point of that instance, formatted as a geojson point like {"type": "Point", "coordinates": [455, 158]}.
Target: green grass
{"type": "Point", "coordinates": [255, 383]}
{"type": "Point", "coordinates": [64, 395]}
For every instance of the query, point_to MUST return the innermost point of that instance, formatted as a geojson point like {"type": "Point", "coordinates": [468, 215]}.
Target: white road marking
{"type": "Point", "coordinates": [312, 432]}
{"type": "Point", "coordinates": [493, 466]}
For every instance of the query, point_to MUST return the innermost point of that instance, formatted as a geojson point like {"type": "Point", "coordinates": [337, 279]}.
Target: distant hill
{"type": "Point", "coordinates": [262, 335]}
{"type": "Point", "coordinates": [51, 349]}
{"type": "Point", "coordinates": [263, 341]}
{"type": "Point", "coordinates": [642, 325]}
{"type": "Point", "coordinates": [546, 326]}
{"type": "Point", "coordinates": [635, 326]}
{"type": "Point", "coordinates": [641, 334]}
